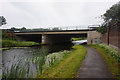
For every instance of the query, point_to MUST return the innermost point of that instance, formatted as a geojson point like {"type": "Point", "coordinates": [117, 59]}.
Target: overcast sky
{"type": "Point", "coordinates": [52, 13]}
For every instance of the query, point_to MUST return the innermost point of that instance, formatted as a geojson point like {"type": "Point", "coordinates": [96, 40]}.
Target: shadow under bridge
{"type": "Point", "coordinates": [60, 38]}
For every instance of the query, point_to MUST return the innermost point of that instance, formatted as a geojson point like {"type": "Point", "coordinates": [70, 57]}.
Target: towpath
{"type": "Point", "coordinates": [93, 66]}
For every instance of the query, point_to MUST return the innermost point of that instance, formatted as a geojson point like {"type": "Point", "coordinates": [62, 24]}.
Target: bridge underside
{"type": "Point", "coordinates": [60, 38]}
{"type": "Point", "coordinates": [30, 37]}
{"type": "Point", "coordinates": [49, 38]}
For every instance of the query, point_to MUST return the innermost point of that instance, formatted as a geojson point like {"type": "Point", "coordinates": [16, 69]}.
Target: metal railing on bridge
{"type": "Point", "coordinates": [63, 28]}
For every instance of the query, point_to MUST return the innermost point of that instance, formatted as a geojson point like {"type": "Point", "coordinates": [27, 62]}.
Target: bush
{"type": "Point", "coordinates": [55, 57]}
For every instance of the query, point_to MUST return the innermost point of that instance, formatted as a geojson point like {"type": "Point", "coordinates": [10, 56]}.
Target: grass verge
{"type": "Point", "coordinates": [11, 43]}
{"type": "Point", "coordinates": [68, 67]}
{"type": "Point", "coordinates": [81, 38]}
{"type": "Point", "coordinates": [113, 64]}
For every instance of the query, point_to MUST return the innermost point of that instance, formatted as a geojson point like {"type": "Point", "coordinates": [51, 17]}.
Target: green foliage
{"type": "Point", "coordinates": [112, 52]}
{"type": "Point", "coordinates": [23, 28]}
{"type": "Point", "coordinates": [111, 61]}
{"type": "Point", "coordinates": [18, 29]}
{"type": "Point", "coordinates": [21, 69]}
{"type": "Point", "coordinates": [2, 21]}
{"type": "Point", "coordinates": [55, 28]}
{"type": "Point", "coordinates": [55, 57]}
{"type": "Point", "coordinates": [39, 60]}
{"type": "Point", "coordinates": [68, 66]}
{"type": "Point", "coordinates": [10, 41]}
{"type": "Point", "coordinates": [35, 29]}
{"type": "Point", "coordinates": [17, 70]}
{"type": "Point", "coordinates": [102, 29]}
{"type": "Point", "coordinates": [6, 37]}
{"type": "Point", "coordinates": [113, 13]}
{"type": "Point", "coordinates": [81, 38]}
{"type": "Point", "coordinates": [112, 17]}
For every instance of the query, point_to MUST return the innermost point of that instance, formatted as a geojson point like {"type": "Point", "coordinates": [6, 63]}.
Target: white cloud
{"type": "Point", "coordinates": [53, 13]}
{"type": "Point", "coordinates": [59, 0]}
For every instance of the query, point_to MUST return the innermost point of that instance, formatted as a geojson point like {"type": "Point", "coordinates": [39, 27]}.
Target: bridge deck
{"type": "Point", "coordinates": [55, 32]}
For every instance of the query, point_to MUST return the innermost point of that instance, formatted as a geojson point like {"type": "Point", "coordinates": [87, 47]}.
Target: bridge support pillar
{"type": "Point", "coordinates": [43, 38]}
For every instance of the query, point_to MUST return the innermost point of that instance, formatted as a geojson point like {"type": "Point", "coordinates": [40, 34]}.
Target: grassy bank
{"type": "Point", "coordinates": [9, 40]}
{"type": "Point", "coordinates": [12, 43]}
{"type": "Point", "coordinates": [77, 39]}
{"type": "Point", "coordinates": [68, 66]}
{"type": "Point", "coordinates": [110, 59]}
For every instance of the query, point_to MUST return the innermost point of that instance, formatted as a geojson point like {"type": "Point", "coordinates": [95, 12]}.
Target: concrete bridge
{"type": "Point", "coordinates": [53, 37]}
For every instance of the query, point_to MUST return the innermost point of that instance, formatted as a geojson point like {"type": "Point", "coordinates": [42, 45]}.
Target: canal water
{"type": "Point", "coordinates": [12, 55]}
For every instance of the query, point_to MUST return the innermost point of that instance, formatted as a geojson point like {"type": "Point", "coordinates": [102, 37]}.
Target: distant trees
{"type": "Point", "coordinates": [18, 29]}
{"type": "Point", "coordinates": [36, 29]}
{"type": "Point", "coordinates": [23, 28]}
{"type": "Point", "coordinates": [55, 28]}
{"type": "Point", "coordinates": [2, 20]}
{"type": "Point", "coordinates": [46, 29]}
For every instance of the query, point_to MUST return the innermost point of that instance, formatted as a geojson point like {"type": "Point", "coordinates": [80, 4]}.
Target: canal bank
{"type": "Point", "coordinates": [14, 54]}
{"type": "Point", "coordinates": [68, 59]}
{"type": "Point", "coordinates": [68, 67]}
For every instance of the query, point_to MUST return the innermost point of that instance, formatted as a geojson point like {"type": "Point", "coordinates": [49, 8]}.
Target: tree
{"type": "Point", "coordinates": [55, 28]}
{"type": "Point", "coordinates": [23, 28]}
{"type": "Point", "coordinates": [113, 13]}
{"type": "Point", "coordinates": [13, 29]}
{"type": "Point", "coordinates": [111, 18]}
{"type": "Point", "coordinates": [2, 21]}
{"type": "Point", "coordinates": [102, 29]}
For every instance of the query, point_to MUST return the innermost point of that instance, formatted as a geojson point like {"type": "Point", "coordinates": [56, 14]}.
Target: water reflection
{"type": "Point", "coordinates": [79, 42]}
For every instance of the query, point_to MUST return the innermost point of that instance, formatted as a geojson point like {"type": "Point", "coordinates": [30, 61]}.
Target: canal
{"type": "Point", "coordinates": [12, 55]}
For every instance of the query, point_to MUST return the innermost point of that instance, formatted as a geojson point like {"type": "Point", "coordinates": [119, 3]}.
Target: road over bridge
{"type": "Point", "coordinates": [60, 36]}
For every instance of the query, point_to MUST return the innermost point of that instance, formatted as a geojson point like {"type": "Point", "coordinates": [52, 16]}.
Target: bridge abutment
{"type": "Point", "coordinates": [93, 37]}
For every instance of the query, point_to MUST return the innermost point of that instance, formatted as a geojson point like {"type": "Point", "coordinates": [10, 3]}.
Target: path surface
{"type": "Point", "coordinates": [0, 64]}
{"type": "Point", "coordinates": [93, 66]}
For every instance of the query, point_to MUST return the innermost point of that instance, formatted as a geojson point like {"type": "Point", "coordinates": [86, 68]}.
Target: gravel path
{"type": "Point", "coordinates": [93, 66]}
